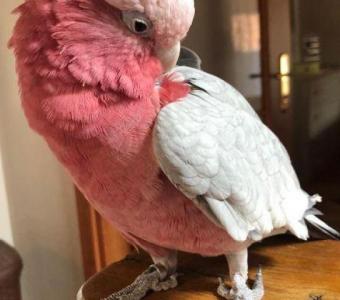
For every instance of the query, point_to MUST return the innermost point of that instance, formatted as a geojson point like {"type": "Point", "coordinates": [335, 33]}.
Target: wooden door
{"type": "Point", "coordinates": [276, 41]}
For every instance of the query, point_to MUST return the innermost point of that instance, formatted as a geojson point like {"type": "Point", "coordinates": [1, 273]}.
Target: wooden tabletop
{"type": "Point", "coordinates": [293, 270]}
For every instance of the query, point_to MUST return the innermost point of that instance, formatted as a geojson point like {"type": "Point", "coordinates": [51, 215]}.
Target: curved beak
{"type": "Point", "coordinates": [168, 56]}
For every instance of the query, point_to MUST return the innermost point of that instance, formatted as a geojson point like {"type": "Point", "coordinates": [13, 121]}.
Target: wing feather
{"type": "Point", "coordinates": [214, 148]}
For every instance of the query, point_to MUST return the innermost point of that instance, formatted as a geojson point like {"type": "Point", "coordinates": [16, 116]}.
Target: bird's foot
{"type": "Point", "coordinates": [153, 279]}
{"type": "Point", "coordinates": [240, 290]}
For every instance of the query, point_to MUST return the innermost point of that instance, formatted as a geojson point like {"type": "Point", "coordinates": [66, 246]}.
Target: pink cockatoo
{"type": "Point", "coordinates": [173, 157]}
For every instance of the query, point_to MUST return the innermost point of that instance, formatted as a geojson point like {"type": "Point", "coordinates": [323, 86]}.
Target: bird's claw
{"type": "Point", "coordinates": [153, 279]}
{"type": "Point", "coordinates": [165, 285]}
{"type": "Point", "coordinates": [240, 290]}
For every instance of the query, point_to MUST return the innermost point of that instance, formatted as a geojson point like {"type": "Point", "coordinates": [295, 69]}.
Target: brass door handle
{"type": "Point", "coordinates": [285, 81]}
{"type": "Point", "coordinates": [284, 76]}
{"type": "Point", "coordinates": [272, 76]}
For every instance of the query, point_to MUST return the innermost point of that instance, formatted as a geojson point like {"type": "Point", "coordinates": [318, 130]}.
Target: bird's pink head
{"type": "Point", "coordinates": [170, 19]}
{"type": "Point", "coordinates": [168, 22]}
{"type": "Point", "coordinates": [113, 45]}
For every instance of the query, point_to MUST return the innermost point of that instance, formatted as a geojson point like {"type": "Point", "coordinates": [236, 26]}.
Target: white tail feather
{"type": "Point", "coordinates": [315, 199]}
{"type": "Point", "coordinates": [322, 226]}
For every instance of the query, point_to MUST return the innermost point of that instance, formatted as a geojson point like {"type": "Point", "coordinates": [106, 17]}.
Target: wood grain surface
{"type": "Point", "coordinates": [292, 270]}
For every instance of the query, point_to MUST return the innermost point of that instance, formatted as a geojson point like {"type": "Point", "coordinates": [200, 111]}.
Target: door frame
{"type": "Point", "coordinates": [266, 104]}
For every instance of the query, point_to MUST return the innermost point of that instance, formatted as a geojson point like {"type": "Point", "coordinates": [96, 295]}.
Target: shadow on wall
{"type": "Point", "coordinates": [40, 196]}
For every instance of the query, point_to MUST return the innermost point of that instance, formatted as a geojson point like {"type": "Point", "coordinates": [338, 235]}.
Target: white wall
{"type": "Point", "coordinates": [5, 224]}
{"type": "Point", "coordinates": [38, 212]}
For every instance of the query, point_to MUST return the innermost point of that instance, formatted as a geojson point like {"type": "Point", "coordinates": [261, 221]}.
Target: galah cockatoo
{"type": "Point", "coordinates": [173, 157]}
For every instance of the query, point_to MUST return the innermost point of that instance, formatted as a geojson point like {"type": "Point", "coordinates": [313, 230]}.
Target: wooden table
{"type": "Point", "coordinates": [293, 270]}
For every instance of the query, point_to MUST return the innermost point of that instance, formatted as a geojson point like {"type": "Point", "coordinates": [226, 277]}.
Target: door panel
{"type": "Point", "coordinates": [279, 42]}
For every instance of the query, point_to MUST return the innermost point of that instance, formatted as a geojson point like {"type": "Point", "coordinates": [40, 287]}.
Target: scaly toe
{"type": "Point", "coordinates": [258, 287]}
{"type": "Point", "coordinates": [166, 284]}
{"type": "Point", "coordinates": [240, 290]}
{"type": "Point", "coordinates": [222, 289]}
{"type": "Point", "coordinates": [151, 280]}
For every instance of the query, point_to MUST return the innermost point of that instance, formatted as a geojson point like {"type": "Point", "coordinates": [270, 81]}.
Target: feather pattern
{"type": "Point", "coordinates": [214, 148]}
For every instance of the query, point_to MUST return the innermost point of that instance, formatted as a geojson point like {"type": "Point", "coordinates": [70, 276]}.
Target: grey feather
{"type": "Point", "coordinates": [189, 58]}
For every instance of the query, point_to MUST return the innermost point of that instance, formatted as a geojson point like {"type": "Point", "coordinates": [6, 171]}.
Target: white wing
{"type": "Point", "coordinates": [214, 148]}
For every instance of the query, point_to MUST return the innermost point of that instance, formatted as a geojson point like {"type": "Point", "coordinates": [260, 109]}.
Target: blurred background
{"type": "Point", "coordinates": [283, 55]}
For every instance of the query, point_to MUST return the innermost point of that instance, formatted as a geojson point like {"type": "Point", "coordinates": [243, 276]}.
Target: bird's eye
{"type": "Point", "coordinates": [137, 22]}
{"type": "Point", "coordinates": [140, 26]}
